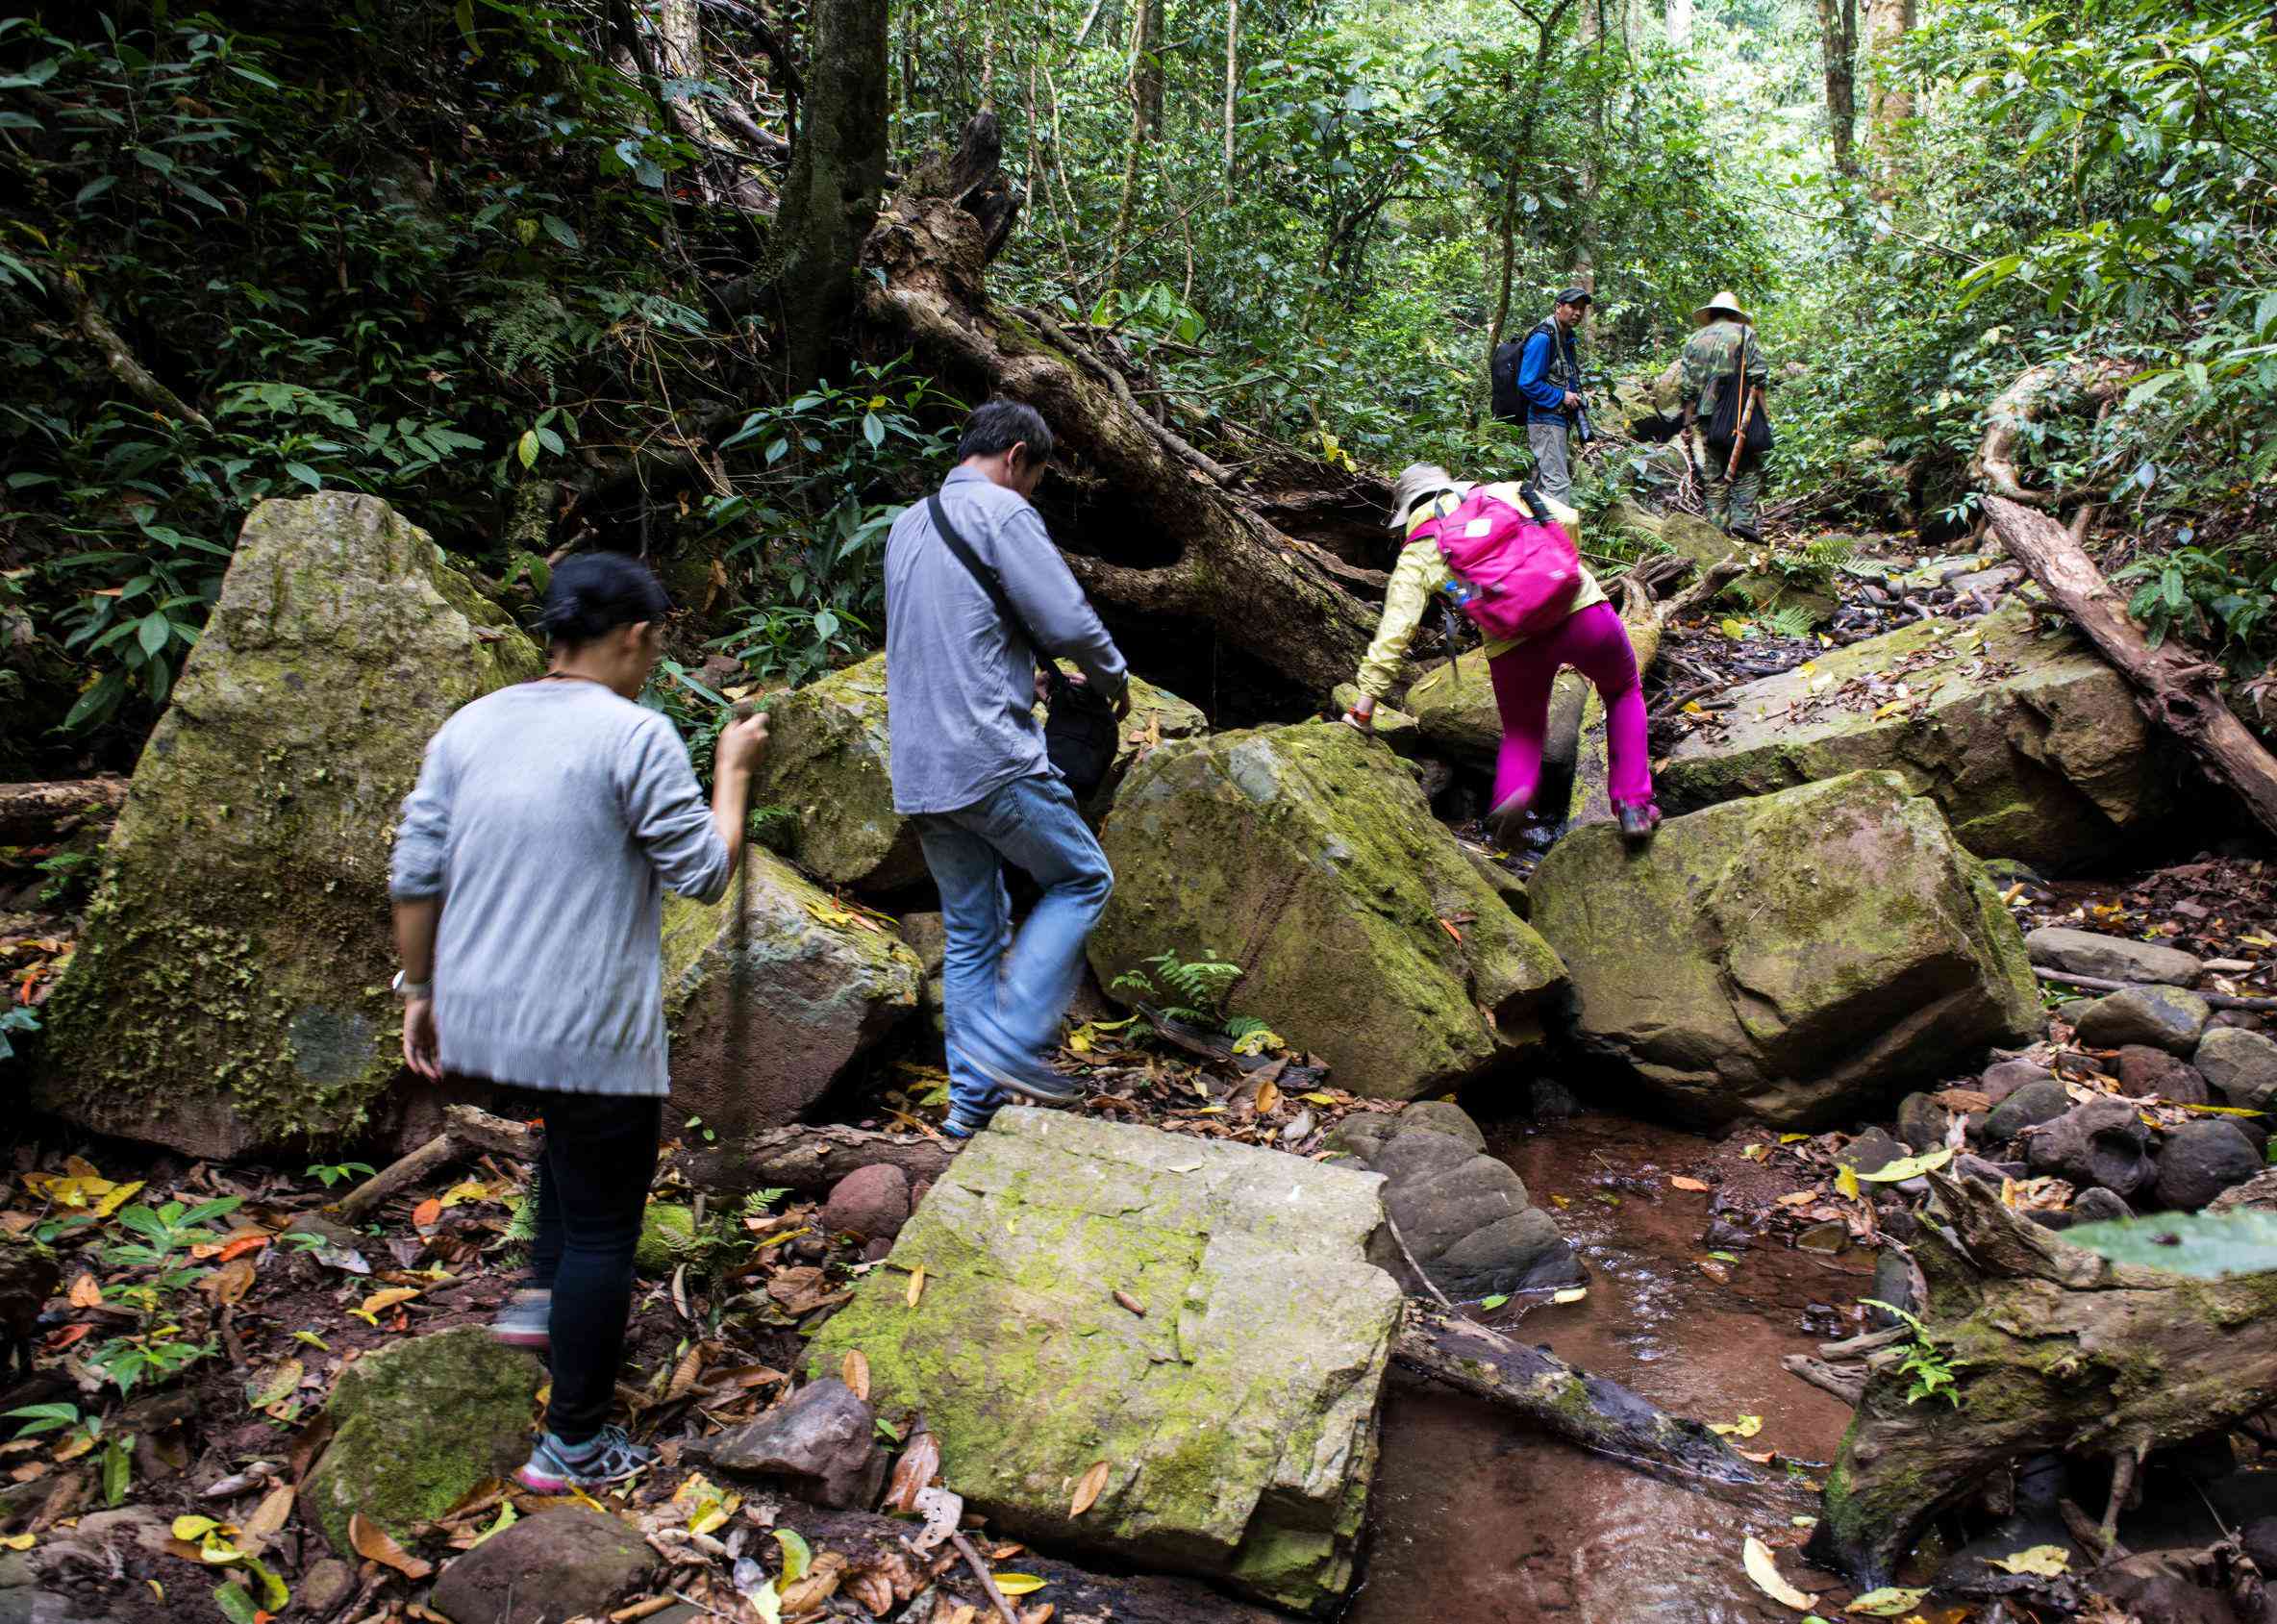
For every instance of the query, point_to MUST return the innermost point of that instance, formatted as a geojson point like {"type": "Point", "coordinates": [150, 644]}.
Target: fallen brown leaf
{"type": "Point", "coordinates": [230, 1283]}
{"type": "Point", "coordinates": [854, 1371]}
{"type": "Point", "coordinates": [1694, 1184]}
{"type": "Point", "coordinates": [1089, 1489]}
{"type": "Point", "coordinates": [917, 1466]}
{"type": "Point", "coordinates": [85, 1293]}
{"type": "Point", "coordinates": [1135, 1305]}
{"type": "Point", "coordinates": [269, 1518]}
{"type": "Point", "coordinates": [375, 1543]}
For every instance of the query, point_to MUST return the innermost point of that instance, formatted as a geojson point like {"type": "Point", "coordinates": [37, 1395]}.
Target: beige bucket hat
{"type": "Point", "coordinates": [1725, 303]}
{"type": "Point", "coordinates": [1416, 481]}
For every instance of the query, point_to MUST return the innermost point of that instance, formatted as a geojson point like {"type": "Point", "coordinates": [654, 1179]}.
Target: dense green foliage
{"type": "Point", "coordinates": [474, 258]}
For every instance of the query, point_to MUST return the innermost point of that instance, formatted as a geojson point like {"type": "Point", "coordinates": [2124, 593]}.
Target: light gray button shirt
{"type": "Point", "coordinates": [959, 683]}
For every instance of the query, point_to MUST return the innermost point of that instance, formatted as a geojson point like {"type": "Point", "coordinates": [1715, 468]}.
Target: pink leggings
{"type": "Point", "coordinates": [1595, 643]}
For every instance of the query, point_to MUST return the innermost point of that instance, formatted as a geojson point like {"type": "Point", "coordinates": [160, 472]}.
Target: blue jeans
{"type": "Point", "coordinates": [1006, 994]}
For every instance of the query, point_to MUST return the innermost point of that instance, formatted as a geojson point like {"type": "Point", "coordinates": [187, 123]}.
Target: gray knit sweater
{"type": "Point", "coordinates": [549, 819]}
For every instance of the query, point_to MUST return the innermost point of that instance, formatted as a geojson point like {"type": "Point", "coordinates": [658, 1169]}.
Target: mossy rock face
{"type": "Point", "coordinates": [767, 1017]}
{"type": "Point", "coordinates": [830, 762]}
{"type": "Point", "coordinates": [1310, 857]}
{"type": "Point", "coordinates": [2032, 745]}
{"type": "Point", "coordinates": [229, 992]}
{"type": "Point", "coordinates": [1237, 1414]}
{"type": "Point", "coordinates": [417, 1425]}
{"type": "Point", "coordinates": [1801, 956]}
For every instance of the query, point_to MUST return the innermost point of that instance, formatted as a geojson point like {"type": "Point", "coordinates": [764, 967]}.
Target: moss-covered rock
{"type": "Point", "coordinates": [1800, 957]}
{"type": "Point", "coordinates": [767, 1017]}
{"type": "Point", "coordinates": [415, 1426]}
{"type": "Point", "coordinates": [829, 763]}
{"type": "Point", "coordinates": [1237, 1414]}
{"type": "Point", "coordinates": [668, 1231]}
{"type": "Point", "coordinates": [1310, 857]}
{"type": "Point", "coordinates": [229, 992]}
{"type": "Point", "coordinates": [2032, 745]}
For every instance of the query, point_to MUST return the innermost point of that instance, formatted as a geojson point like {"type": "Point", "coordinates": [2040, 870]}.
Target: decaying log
{"type": "Point", "coordinates": [2176, 690]}
{"type": "Point", "coordinates": [1077, 1596]}
{"type": "Point", "coordinates": [480, 1130]}
{"type": "Point", "coordinates": [811, 1157]}
{"type": "Point", "coordinates": [2104, 984]}
{"type": "Point", "coordinates": [1148, 521]}
{"type": "Point", "coordinates": [398, 1175]}
{"type": "Point", "coordinates": [2052, 1348]}
{"type": "Point", "coordinates": [1597, 1414]}
{"type": "Point", "coordinates": [32, 814]}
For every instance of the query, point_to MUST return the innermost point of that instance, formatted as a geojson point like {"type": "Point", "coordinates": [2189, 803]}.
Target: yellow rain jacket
{"type": "Point", "coordinates": [1421, 571]}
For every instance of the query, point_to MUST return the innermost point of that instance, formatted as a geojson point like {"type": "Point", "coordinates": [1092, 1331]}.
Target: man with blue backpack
{"type": "Point", "coordinates": [1506, 555]}
{"type": "Point", "coordinates": [1537, 379]}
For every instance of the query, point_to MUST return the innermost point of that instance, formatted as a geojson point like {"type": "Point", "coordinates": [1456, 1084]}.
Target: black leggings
{"type": "Point", "coordinates": [592, 1188]}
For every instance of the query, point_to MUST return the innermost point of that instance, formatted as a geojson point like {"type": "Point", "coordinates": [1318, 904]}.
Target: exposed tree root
{"type": "Point", "coordinates": [2052, 1349]}
{"type": "Point", "coordinates": [2035, 391]}
{"type": "Point", "coordinates": [812, 1158]}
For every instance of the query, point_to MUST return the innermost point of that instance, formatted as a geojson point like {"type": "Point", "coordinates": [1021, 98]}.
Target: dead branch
{"type": "Point", "coordinates": [34, 813]}
{"type": "Point", "coordinates": [812, 1158]}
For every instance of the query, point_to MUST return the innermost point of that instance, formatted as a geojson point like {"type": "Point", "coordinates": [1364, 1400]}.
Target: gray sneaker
{"type": "Point", "coordinates": [525, 1321]}
{"type": "Point", "coordinates": [1030, 1079]}
{"type": "Point", "coordinates": [555, 1468]}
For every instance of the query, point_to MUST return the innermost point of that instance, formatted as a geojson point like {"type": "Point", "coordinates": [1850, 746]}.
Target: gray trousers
{"type": "Point", "coordinates": [1551, 475]}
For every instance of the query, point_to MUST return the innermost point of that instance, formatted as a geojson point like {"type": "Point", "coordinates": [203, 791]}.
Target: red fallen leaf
{"type": "Point", "coordinates": [59, 1341]}
{"type": "Point", "coordinates": [243, 1244]}
{"type": "Point", "coordinates": [427, 1212]}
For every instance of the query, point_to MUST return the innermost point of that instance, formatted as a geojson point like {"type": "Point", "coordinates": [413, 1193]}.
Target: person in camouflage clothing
{"type": "Point", "coordinates": [1710, 359]}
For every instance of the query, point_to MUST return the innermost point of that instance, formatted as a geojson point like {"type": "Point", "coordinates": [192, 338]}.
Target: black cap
{"type": "Point", "coordinates": [1575, 296]}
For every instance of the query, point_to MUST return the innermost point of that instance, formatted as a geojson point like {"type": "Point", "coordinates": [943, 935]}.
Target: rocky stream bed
{"type": "Point", "coordinates": [1762, 1128]}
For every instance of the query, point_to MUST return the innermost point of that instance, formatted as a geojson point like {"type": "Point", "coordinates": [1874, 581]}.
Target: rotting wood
{"type": "Point", "coordinates": [32, 814]}
{"type": "Point", "coordinates": [2104, 984]}
{"type": "Point", "coordinates": [864, 1538]}
{"type": "Point", "coordinates": [812, 1157]}
{"type": "Point", "coordinates": [1597, 1414]}
{"type": "Point", "coordinates": [481, 1130]}
{"type": "Point", "coordinates": [398, 1175]}
{"type": "Point", "coordinates": [2176, 690]}
{"type": "Point", "coordinates": [2052, 1349]}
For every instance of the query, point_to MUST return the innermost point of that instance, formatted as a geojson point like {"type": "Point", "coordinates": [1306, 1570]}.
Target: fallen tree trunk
{"type": "Point", "coordinates": [2104, 984]}
{"type": "Point", "coordinates": [2176, 690]}
{"type": "Point", "coordinates": [1078, 1596]}
{"type": "Point", "coordinates": [1597, 1414]}
{"type": "Point", "coordinates": [2052, 1348]}
{"type": "Point", "coordinates": [1152, 525]}
{"type": "Point", "coordinates": [811, 1157]}
{"type": "Point", "coordinates": [34, 813]}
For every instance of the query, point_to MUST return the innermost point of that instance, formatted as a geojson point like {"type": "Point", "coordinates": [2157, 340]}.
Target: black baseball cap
{"type": "Point", "coordinates": [1575, 296]}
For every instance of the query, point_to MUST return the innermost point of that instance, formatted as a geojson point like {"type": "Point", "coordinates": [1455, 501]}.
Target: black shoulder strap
{"type": "Point", "coordinates": [1739, 359]}
{"type": "Point", "coordinates": [1532, 500]}
{"type": "Point", "coordinates": [981, 572]}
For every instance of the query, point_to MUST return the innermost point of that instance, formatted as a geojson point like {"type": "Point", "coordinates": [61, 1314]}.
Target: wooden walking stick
{"type": "Point", "coordinates": [1747, 399]}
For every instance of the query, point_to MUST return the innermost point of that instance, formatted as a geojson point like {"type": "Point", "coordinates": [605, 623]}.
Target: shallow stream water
{"type": "Point", "coordinates": [1476, 1520]}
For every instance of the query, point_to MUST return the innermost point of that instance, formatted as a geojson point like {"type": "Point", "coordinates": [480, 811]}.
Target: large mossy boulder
{"type": "Point", "coordinates": [1310, 857]}
{"type": "Point", "coordinates": [828, 770]}
{"type": "Point", "coordinates": [229, 992]}
{"type": "Point", "coordinates": [2032, 745]}
{"type": "Point", "coordinates": [415, 1426]}
{"type": "Point", "coordinates": [768, 1012]}
{"type": "Point", "coordinates": [1799, 957]}
{"type": "Point", "coordinates": [1200, 1316]}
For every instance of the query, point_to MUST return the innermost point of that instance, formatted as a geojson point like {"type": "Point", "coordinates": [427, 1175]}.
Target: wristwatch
{"type": "Point", "coordinates": [412, 991]}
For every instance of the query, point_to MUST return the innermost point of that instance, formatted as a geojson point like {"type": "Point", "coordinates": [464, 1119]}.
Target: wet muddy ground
{"type": "Point", "coordinates": [1477, 1521]}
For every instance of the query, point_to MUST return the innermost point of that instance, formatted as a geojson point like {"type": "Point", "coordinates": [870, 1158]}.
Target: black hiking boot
{"type": "Point", "coordinates": [1637, 822]}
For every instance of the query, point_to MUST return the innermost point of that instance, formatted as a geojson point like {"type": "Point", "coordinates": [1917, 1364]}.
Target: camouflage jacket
{"type": "Point", "coordinates": [1709, 358]}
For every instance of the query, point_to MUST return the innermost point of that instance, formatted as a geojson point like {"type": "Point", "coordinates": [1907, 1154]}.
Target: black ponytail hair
{"type": "Point", "coordinates": [591, 594]}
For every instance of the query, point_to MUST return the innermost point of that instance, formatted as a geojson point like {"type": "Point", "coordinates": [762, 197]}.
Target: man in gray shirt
{"type": "Point", "coordinates": [970, 766]}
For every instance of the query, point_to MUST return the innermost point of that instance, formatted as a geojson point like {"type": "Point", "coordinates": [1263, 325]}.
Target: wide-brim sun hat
{"type": "Point", "coordinates": [1725, 303]}
{"type": "Point", "coordinates": [1415, 482]}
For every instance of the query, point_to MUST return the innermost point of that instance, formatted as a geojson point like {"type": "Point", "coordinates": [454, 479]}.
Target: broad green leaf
{"type": "Point", "coordinates": [2202, 1245]}
{"type": "Point", "coordinates": [2045, 1560]}
{"type": "Point", "coordinates": [1907, 1167]}
{"type": "Point", "coordinates": [797, 1555]}
{"type": "Point", "coordinates": [1887, 1602]}
{"type": "Point", "coordinates": [1494, 1302]}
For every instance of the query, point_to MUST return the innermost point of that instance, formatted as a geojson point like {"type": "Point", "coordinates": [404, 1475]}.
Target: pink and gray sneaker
{"type": "Point", "coordinates": [608, 1457]}
{"type": "Point", "coordinates": [525, 1321]}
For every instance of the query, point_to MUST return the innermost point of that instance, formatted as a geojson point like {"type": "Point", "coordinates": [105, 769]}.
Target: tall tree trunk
{"type": "Point", "coordinates": [1144, 85]}
{"type": "Point", "coordinates": [1680, 23]}
{"type": "Point", "coordinates": [837, 176]}
{"type": "Point", "coordinates": [1232, 88]}
{"type": "Point", "coordinates": [1887, 105]}
{"type": "Point", "coordinates": [1838, 51]}
{"type": "Point", "coordinates": [1509, 224]}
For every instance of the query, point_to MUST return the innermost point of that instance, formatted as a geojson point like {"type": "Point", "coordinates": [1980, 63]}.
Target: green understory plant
{"type": "Point", "coordinates": [1932, 1370]}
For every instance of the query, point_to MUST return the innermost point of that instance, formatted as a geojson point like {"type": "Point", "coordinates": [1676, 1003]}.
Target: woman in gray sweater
{"type": "Point", "coordinates": [528, 878]}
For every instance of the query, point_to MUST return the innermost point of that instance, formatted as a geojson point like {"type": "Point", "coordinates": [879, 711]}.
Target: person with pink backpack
{"type": "Point", "coordinates": [1504, 554]}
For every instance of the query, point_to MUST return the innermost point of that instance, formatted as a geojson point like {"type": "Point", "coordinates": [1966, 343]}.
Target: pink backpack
{"type": "Point", "coordinates": [1522, 567]}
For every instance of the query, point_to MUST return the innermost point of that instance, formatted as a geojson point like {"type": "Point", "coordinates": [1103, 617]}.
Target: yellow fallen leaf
{"type": "Point", "coordinates": [1571, 1294]}
{"type": "Point", "coordinates": [854, 1371]}
{"type": "Point", "coordinates": [1746, 1426]}
{"type": "Point", "coordinates": [190, 1530]}
{"type": "Point", "coordinates": [2046, 1560]}
{"type": "Point", "coordinates": [1693, 708]}
{"type": "Point", "coordinates": [1562, 1201]}
{"type": "Point", "coordinates": [1316, 1097]}
{"type": "Point", "coordinates": [1018, 1583]}
{"type": "Point", "coordinates": [119, 1197]}
{"type": "Point", "coordinates": [1846, 1181]}
{"type": "Point", "coordinates": [20, 1542]}
{"type": "Point", "coordinates": [1735, 630]}
{"type": "Point", "coordinates": [1887, 1602]}
{"type": "Point", "coordinates": [1755, 1152]}
{"type": "Point", "coordinates": [1088, 1489]}
{"type": "Point", "coordinates": [85, 1293]}
{"type": "Point", "coordinates": [1792, 1138]}
{"type": "Point", "coordinates": [379, 1301]}
{"type": "Point", "coordinates": [917, 1285]}
{"type": "Point", "coordinates": [1765, 1572]}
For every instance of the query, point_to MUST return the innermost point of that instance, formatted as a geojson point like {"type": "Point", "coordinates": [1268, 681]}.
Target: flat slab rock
{"type": "Point", "coordinates": [1233, 1397]}
{"type": "Point", "coordinates": [568, 1562]}
{"type": "Point", "coordinates": [2032, 745]}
